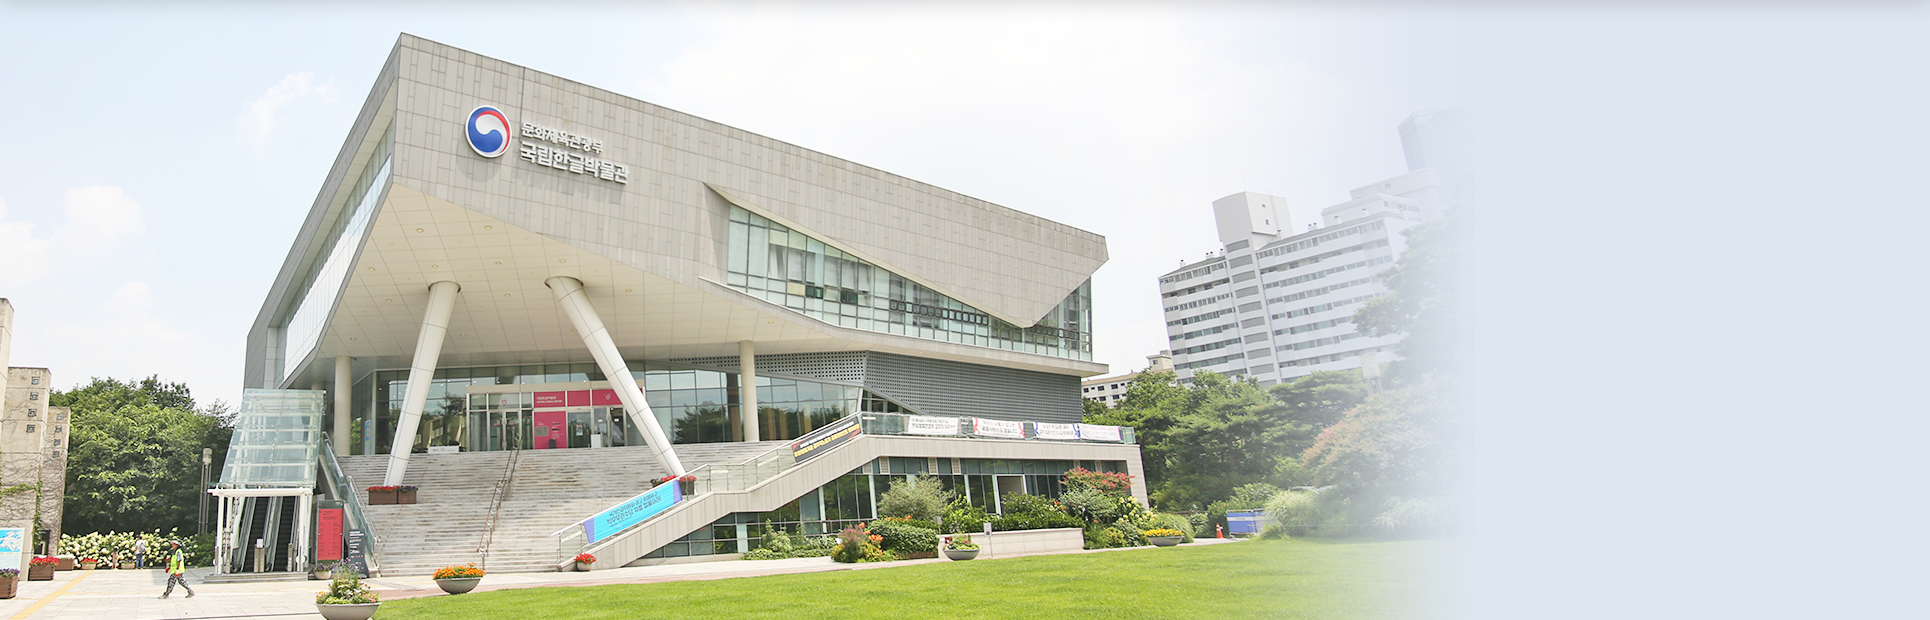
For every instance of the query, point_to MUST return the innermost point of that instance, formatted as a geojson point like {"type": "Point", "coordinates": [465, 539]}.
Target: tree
{"type": "Point", "coordinates": [921, 497]}
{"type": "Point", "coordinates": [134, 454]}
{"type": "Point", "coordinates": [1420, 302]}
{"type": "Point", "coordinates": [1394, 445]}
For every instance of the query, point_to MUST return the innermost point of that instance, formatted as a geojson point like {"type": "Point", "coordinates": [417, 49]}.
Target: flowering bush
{"type": "Point", "coordinates": [42, 560]}
{"type": "Point", "coordinates": [1111, 483]}
{"type": "Point", "coordinates": [466, 571]}
{"type": "Point", "coordinates": [961, 543]}
{"type": "Point", "coordinates": [346, 589]}
{"type": "Point", "coordinates": [858, 545]}
{"type": "Point", "coordinates": [197, 550]}
{"type": "Point", "coordinates": [405, 488]}
{"type": "Point", "coordinates": [383, 489]}
{"type": "Point", "coordinates": [586, 558]}
{"type": "Point", "coordinates": [9, 573]}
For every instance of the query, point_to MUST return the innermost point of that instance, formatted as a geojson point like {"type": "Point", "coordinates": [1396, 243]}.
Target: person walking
{"type": "Point", "coordinates": [176, 566]}
{"type": "Point", "coordinates": [140, 552]}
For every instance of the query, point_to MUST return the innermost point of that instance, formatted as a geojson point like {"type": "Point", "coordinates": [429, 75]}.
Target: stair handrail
{"type": "Point", "coordinates": [496, 499]}
{"type": "Point", "coordinates": [345, 489]}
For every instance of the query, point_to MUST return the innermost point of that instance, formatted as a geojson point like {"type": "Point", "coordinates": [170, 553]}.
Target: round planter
{"type": "Point", "coordinates": [127, 566]}
{"type": "Point", "coordinates": [1165, 541]}
{"type": "Point", "coordinates": [89, 565]}
{"type": "Point", "coordinates": [583, 566]}
{"type": "Point", "coordinates": [362, 611]}
{"type": "Point", "coordinates": [960, 555]}
{"type": "Point", "coordinates": [458, 586]}
{"type": "Point", "coordinates": [324, 575]}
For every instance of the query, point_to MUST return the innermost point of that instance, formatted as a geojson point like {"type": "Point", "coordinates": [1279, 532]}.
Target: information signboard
{"type": "Point", "coordinates": [13, 545]}
{"type": "Point", "coordinates": [1060, 432]}
{"type": "Point", "coordinates": [998, 428]}
{"type": "Point", "coordinates": [930, 425]}
{"type": "Point", "coordinates": [358, 552]}
{"type": "Point", "coordinates": [328, 534]}
{"type": "Point", "coordinates": [1096, 432]}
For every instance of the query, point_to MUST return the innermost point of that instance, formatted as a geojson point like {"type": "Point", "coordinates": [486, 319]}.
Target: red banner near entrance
{"type": "Point", "coordinates": [549, 399]}
{"type": "Point", "coordinates": [579, 398]}
{"type": "Point", "coordinates": [605, 398]}
{"type": "Point", "coordinates": [328, 535]}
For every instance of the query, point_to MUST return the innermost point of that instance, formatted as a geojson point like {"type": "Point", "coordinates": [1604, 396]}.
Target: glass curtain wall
{"type": "Point", "coordinates": [851, 499]}
{"type": "Point", "coordinates": [789, 268]}
{"type": "Point", "coordinates": [693, 406]}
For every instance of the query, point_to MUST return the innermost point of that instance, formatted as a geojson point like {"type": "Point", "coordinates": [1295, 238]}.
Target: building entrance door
{"type": "Point", "coordinates": [579, 429]}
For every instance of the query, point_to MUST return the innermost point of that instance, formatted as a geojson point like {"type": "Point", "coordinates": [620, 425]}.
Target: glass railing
{"type": "Point", "coordinates": [344, 488]}
{"type": "Point", "coordinates": [716, 477]}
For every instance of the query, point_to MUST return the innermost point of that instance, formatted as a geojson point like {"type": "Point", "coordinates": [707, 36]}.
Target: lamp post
{"type": "Point", "coordinates": [201, 516]}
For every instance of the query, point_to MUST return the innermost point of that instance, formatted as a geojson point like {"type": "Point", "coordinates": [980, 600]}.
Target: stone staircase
{"type": "Point", "coordinates": [551, 489]}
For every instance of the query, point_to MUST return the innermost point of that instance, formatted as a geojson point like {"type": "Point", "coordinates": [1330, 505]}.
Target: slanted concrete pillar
{"type": "Point", "coordinates": [569, 294]}
{"type": "Point", "coordinates": [747, 387]}
{"type": "Point", "coordinates": [344, 383]}
{"type": "Point", "coordinates": [428, 347]}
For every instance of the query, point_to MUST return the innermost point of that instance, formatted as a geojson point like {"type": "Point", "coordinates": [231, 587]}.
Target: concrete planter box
{"type": "Point", "coordinates": [362, 611]}
{"type": "Point", "coordinates": [1030, 542]}
{"type": "Point", "coordinates": [458, 586]}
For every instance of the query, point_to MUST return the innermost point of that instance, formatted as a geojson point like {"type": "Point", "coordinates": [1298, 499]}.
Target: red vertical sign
{"type": "Point", "coordinates": [328, 535]}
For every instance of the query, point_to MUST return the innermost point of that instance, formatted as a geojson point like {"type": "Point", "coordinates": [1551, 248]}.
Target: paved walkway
{"type": "Point", "coordinates": [134, 594]}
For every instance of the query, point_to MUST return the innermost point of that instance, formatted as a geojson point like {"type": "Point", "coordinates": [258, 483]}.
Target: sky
{"type": "Point", "coordinates": [1694, 294]}
{"type": "Point", "coordinates": [176, 152]}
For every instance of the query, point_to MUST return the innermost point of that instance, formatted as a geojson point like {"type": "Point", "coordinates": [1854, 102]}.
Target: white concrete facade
{"type": "Point", "coordinates": [1278, 306]}
{"type": "Point", "coordinates": [1110, 390]}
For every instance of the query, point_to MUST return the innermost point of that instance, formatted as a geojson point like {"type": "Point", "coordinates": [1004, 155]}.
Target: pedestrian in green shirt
{"type": "Point", "coordinates": [176, 566]}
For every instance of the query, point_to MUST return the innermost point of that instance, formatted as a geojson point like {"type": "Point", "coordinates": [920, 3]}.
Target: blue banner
{"type": "Point", "coordinates": [632, 512]}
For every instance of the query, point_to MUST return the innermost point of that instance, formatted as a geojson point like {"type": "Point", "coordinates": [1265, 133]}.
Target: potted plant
{"type": "Point", "coordinates": [41, 568]}
{"type": "Point", "coordinates": [9, 582]}
{"type": "Point", "coordinates": [89, 563]}
{"type": "Point", "coordinates": [584, 561]}
{"type": "Point", "coordinates": [458, 579]}
{"type": "Point", "coordinates": [324, 570]}
{"type": "Point", "coordinates": [960, 548]}
{"type": "Point", "coordinates": [66, 562]}
{"type": "Point", "coordinates": [347, 599]}
{"type": "Point", "coordinates": [1165, 537]}
{"type": "Point", "coordinates": [688, 481]}
{"type": "Point", "coordinates": [379, 495]}
{"type": "Point", "coordinates": [405, 494]}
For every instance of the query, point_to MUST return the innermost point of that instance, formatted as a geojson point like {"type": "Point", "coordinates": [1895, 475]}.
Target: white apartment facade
{"type": "Point", "coordinates": [1274, 306]}
{"type": "Point", "coordinates": [1110, 390]}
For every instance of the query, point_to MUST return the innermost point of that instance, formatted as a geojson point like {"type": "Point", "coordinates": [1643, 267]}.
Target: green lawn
{"type": "Point", "coordinates": [1260, 579]}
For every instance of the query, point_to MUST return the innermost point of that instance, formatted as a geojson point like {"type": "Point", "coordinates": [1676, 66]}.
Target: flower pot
{"type": "Point", "coordinates": [40, 572]}
{"type": "Point", "coordinates": [66, 562]}
{"type": "Point", "coordinates": [127, 566]}
{"type": "Point", "coordinates": [360, 611]}
{"type": "Point", "coordinates": [8, 587]}
{"type": "Point", "coordinates": [584, 566]}
{"type": "Point", "coordinates": [689, 488]}
{"type": "Point", "coordinates": [960, 555]}
{"type": "Point", "coordinates": [89, 565]}
{"type": "Point", "coordinates": [323, 574]}
{"type": "Point", "coordinates": [377, 498]}
{"type": "Point", "coordinates": [1165, 541]}
{"type": "Point", "coordinates": [405, 497]}
{"type": "Point", "coordinates": [458, 586]}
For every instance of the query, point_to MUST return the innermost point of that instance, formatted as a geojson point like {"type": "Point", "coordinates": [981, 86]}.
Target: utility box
{"type": "Point", "coordinates": [1244, 521]}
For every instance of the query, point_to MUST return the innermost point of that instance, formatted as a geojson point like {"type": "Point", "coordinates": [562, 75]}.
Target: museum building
{"type": "Point", "coordinates": [531, 299]}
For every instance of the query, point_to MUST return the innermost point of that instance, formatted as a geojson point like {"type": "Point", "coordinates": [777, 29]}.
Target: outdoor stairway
{"type": "Point", "coordinates": [552, 489]}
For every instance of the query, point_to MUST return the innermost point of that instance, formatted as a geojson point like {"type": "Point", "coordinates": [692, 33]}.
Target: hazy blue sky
{"type": "Point", "coordinates": [162, 161]}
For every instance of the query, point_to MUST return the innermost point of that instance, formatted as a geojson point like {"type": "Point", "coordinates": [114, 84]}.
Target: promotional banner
{"type": "Point", "coordinates": [1095, 432]}
{"type": "Point", "coordinates": [818, 441]}
{"type": "Point", "coordinates": [1060, 432]}
{"type": "Point", "coordinates": [998, 428]}
{"type": "Point", "coordinates": [550, 399]}
{"type": "Point", "coordinates": [605, 398]}
{"type": "Point", "coordinates": [328, 534]}
{"type": "Point", "coordinates": [13, 543]}
{"type": "Point", "coordinates": [620, 516]}
{"type": "Point", "coordinates": [930, 425]}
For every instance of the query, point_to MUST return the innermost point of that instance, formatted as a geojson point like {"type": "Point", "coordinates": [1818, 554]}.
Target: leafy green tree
{"type": "Point", "coordinates": [921, 497]}
{"type": "Point", "coordinates": [1420, 302]}
{"type": "Point", "coordinates": [1394, 445]}
{"type": "Point", "coordinates": [134, 454]}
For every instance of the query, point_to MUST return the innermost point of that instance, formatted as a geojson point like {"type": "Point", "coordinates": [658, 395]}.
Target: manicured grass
{"type": "Point", "coordinates": [1259, 579]}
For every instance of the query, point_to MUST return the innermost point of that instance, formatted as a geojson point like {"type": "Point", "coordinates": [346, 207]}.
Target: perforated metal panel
{"type": "Point", "coordinates": [939, 387]}
{"type": "Point", "coordinates": [841, 366]}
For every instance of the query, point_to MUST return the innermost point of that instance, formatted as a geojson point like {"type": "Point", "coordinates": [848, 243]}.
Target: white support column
{"type": "Point", "coordinates": [303, 539]}
{"type": "Point", "coordinates": [344, 384]}
{"type": "Point", "coordinates": [428, 347]}
{"type": "Point", "coordinates": [569, 294]}
{"type": "Point", "coordinates": [747, 388]}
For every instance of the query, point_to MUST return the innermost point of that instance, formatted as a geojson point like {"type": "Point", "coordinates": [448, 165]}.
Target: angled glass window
{"type": "Point", "coordinates": [788, 268]}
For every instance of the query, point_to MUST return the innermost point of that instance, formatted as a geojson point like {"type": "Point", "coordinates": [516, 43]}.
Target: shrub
{"type": "Point", "coordinates": [775, 540]}
{"type": "Point", "coordinates": [1295, 509]}
{"type": "Point", "coordinates": [764, 554]}
{"type": "Point", "coordinates": [1092, 505]}
{"type": "Point", "coordinates": [921, 497]}
{"type": "Point", "coordinates": [815, 547]}
{"type": "Point", "coordinates": [1175, 522]}
{"type": "Point", "coordinates": [1412, 516]}
{"type": "Point", "coordinates": [1031, 512]}
{"type": "Point", "coordinates": [962, 516]}
{"type": "Point", "coordinates": [902, 536]}
{"type": "Point", "coordinates": [1129, 536]}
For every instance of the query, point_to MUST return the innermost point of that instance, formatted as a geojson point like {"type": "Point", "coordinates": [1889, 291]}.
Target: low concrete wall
{"type": "Point", "coordinates": [1029, 542]}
